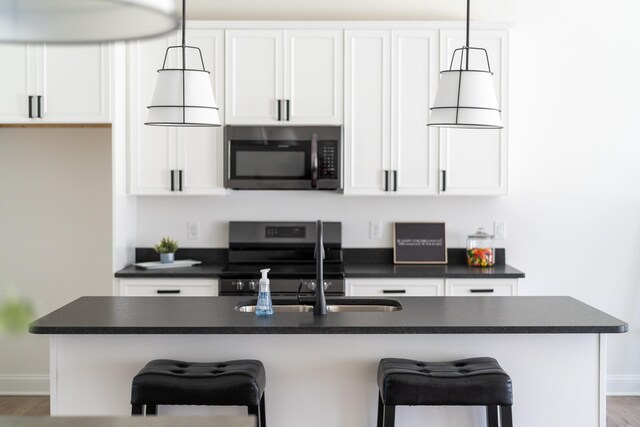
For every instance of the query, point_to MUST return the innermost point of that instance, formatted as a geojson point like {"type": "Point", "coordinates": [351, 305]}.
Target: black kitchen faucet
{"type": "Point", "coordinates": [320, 305]}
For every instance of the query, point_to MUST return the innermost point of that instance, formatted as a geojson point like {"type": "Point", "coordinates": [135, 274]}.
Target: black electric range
{"type": "Point", "coordinates": [288, 249]}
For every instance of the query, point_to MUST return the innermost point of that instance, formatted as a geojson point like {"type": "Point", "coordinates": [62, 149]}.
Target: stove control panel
{"type": "Point", "coordinates": [283, 287]}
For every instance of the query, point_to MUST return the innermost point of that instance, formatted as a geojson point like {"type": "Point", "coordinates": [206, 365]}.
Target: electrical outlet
{"type": "Point", "coordinates": [375, 230]}
{"type": "Point", "coordinates": [193, 230]}
{"type": "Point", "coordinates": [500, 230]}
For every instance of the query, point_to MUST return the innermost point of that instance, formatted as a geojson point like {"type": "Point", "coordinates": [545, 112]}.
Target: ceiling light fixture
{"type": "Point", "coordinates": [84, 21]}
{"type": "Point", "coordinates": [466, 99]}
{"type": "Point", "coordinates": [183, 96]}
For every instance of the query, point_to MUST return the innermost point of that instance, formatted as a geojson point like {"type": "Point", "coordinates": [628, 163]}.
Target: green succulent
{"type": "Point", "coordinates": [166, 246]}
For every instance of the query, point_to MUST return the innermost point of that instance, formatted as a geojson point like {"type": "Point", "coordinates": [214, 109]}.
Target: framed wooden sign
{"type": "Point", "coordinates": [419, 243]}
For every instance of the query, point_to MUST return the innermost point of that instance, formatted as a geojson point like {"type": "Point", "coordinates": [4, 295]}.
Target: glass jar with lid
{"type": "Point", "coordinates": [480, 251]}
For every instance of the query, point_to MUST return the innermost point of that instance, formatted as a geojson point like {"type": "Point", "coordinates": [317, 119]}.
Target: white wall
{"type": "Point", "coordinates": [573, 212]}
{"type": "Point", "coordinates": [55, 223]}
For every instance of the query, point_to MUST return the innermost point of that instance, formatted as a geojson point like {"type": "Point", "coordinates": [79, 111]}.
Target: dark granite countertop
{"type": "Point", "coordinates": [197, 271]}
{"type": "Point", "coordinates": [370, 270]}
{"type": "Point", "coordinates": [420, 315]}
{"type": "Point", "coordinates": [357, 263]}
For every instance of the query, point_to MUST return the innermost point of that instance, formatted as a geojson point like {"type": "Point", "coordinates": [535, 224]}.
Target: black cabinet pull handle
{"type": "Point", "coordinates": [31, 106]}
{"type": "Point", "coordinates": [168, 291]}
{"type": "Point", "coordinates": [173, 187]}
{"type": "Point", "coordinates": [395, 180]}
{"type": "Point", "coordinates": [386, 180]}
{"type": "Point", "coordinates": [180, 180]}
{"type": "Point", "coordinates": [394, 291]}
{"type": "Point", "coordinates": [444, 180]}
{"type": "Point", "coordinates": [39, 106]}
{"type": "Point", "coordinates": [481, 291]}
{"type": "Point", "coordinates": [287, 105]}
{"type": "Point", "coordinates": [279, 106]}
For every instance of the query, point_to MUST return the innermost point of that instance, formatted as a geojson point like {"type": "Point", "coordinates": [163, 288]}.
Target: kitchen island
{"type": "Point", "coordinates": [321, 371]}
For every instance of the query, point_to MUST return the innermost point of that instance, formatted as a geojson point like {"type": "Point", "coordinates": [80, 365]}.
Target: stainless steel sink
{"type": "Point", "coordinates": [341, 306]}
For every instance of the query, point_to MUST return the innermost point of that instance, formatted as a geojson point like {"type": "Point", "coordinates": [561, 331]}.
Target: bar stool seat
{"type": "Point", "coordinates": [175, 382]}
{"type": "Point", "coordinates": [479, 381]}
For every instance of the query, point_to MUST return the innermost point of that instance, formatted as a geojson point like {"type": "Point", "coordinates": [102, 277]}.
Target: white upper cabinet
{"type": "Point", "coordinates": [473, 161]}
{"type": "Point", "coordinates": [389, 80]}
{"type": "Point", "coordinates": [56, 84]}
{"type": "Point", "coordinates": [169, 160]}
{"type": "Point", "coordinates": [283, 77]}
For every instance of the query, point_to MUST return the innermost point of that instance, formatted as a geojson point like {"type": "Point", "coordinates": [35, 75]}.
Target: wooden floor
{"type": "Point", "coordinates": [621, 411]}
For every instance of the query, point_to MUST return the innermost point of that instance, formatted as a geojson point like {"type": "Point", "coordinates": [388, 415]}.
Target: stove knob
{"type": "Point", "coordinates": [327, 285]}
{"type": "Point", "coordinates": [238, 285]}
{"type": "Point", "coordinates": [311, 285]}
{"type": "Point", "coordinates": [253, 285]}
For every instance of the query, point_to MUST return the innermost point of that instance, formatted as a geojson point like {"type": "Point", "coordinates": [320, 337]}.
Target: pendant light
{"type": "Point", "coordinates": [466, 98]}
{"type": "Point", "coordinates": [79, 21]}
{"type": "Point", "coordinates": [183, 96]}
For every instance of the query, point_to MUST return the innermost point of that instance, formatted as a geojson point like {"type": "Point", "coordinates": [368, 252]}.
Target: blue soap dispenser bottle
{"type": "Point", "coordinates": [264, 306]}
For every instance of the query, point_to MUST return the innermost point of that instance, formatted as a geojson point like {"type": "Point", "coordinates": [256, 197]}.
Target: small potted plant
{"type": "Point", "coordinates": [167, 249]}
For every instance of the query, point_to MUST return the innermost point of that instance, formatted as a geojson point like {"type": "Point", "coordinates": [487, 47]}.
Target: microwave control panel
{"type": "Point", "coordinates": [328, 160]}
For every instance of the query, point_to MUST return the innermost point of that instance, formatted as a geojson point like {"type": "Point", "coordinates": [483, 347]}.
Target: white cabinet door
{"type": "Point", "coordinates": [367, 134]}
{"type": "Point", "coordinates": [152, 149]}
{"type": "Point", "coordinates": [253, 66]}
{"type": "Point", "coordinates": [313, 76]}
{"type": "Point", "coordinates": [75, 83]}
{"type": "Point", "coordinates": [200, 150]}
{"type": "Point", "coordinates": [18, 82]}
{"type": "Point", "coordinates": [395, 287]}
{"type": "Point", "coordinates": [475, 161]}
{"type": "Point", "coordinates": [413, 80]}
{"type": "Point", "coordinates": [481, 287]}
{"type": "Point", "coordinates": [168, 287]}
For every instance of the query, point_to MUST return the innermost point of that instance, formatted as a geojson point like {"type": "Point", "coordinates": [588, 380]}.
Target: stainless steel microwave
{"type": "Point", "coordinates": [283, 157]}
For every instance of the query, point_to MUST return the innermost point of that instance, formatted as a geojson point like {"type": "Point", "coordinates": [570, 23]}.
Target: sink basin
{"type": "Point", "coordinates": [336, 306]}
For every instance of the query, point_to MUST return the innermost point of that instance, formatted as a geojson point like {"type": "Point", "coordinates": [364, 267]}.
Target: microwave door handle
{"type": "Point", "coordinates": [314, 160]}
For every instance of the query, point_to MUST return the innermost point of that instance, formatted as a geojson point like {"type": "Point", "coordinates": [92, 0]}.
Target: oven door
{"type": "Point", "coordinates": [273, 164]}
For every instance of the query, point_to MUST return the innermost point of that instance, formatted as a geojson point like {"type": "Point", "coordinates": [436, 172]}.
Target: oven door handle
{"type": "Point", "coordinates": [314, 160]}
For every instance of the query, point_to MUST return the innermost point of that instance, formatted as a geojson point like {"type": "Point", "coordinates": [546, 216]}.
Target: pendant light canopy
{"type": "Point", "coordinates": [466, 98]}
{"type": "Point", "coordinates": [80, 21]}
{"type": "Point", "coordinates": [183, 97]}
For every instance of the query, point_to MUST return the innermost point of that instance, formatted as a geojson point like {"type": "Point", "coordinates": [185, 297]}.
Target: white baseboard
{"type": "Point", "coordinates": [24, 384]}
{"type": "Point", "coordinates": [623, 385]}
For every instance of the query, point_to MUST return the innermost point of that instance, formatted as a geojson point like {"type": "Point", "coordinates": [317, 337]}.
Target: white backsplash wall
{"type": "Point", "coordinates": [158, 216]}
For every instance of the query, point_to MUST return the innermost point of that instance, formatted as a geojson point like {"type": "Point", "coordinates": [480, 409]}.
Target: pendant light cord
{"type": "Point", "coordinates": [184, 58]}
{"type": "Point", "coordinates": [467, 45]}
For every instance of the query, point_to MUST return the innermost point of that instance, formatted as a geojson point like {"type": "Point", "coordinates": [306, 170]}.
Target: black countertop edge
{"type": "Point", "coordinates": [333, 330]}
{"type": "Point", "coordinates": [209, 271]}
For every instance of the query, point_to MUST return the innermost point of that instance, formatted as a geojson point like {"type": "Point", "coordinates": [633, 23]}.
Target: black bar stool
{"type": "Point", "coordinates": [478, 381]}
{"type": "Point", "coordinates": [173, 382]}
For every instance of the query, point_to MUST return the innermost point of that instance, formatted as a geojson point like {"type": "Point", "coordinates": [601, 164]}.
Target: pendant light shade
{"type": "Point", "coordinates": [79, 21]}
{"type": "Point", "coordinates": [183, 96]}
{"type": "Point", "coordinates": [466, 98]}
{"type": "Point", "coordinates": [175, 104]}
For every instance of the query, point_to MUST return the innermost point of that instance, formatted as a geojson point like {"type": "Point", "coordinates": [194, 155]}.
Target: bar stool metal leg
{"type": "Point", "coordinates": [255, 410]}
{"type": "Point", "coordinates": [505, 416]}
{"type": "Point", "coordinates": [263, 416]}
{"type": "Point", "coordinates": [380, 410]}
{"type": "Point", "coordinates": [492, 416]}
{"type": "Point", "coordinates": [389, 416]}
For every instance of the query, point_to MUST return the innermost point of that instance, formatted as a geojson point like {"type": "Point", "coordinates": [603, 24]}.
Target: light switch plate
{"type": "Point", "coordinates": [193, 230]}
{"type": "Point", "coordinates": [375, 230]}
{"type": "Point", "coordinates": [500, 230]}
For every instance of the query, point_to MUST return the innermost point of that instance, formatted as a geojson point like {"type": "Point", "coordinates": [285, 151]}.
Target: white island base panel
{"type": "Point", "coordinates": [330, 380]}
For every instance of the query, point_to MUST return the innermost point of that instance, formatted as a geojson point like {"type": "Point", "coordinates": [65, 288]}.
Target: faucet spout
{"type": "Point", "coordinates": [320, 306]}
